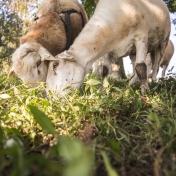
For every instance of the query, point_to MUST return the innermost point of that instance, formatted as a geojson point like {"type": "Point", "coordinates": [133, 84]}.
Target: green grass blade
{"type": "Point", "coordinates": [42, 119]}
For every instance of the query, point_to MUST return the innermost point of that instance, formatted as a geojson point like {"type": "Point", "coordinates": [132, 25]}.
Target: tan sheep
{"type": "Point", "coordinates": [58, 23]}
{"type": "Point", "coordinates": [167, 57]}
{"type": "Point", "coordinates": [163, 63]}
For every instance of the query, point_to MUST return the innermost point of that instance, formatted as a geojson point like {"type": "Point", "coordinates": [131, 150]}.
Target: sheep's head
{"type": "Point", "coordinates": [30, 63]}
{"type": "Point", "coordinates": [63, 71]}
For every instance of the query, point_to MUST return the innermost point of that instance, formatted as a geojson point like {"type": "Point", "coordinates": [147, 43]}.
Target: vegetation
{"type": "Point", "coordinates": [10, 27]}
{"type": "Point", "coordinates": [105, 128]}
{"type": "Point", "coordinates": [171, 5]}
{"type": "Point", "coordinates": [91, 4]}
{"type": "Point", "coordinates": [14, 22]}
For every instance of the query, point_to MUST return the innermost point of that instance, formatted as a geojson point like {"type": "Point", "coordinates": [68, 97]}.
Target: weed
{"type": "Point", "coordinates": [104, 128]}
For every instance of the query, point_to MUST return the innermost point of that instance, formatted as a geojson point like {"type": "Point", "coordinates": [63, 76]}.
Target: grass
{"type": "Point", "coordinates": [105, 128]}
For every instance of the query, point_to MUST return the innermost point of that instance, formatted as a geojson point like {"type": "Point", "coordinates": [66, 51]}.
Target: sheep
{"type": "Point", "coordinates": [57, 24]}
{"type": "Point", "coordinates": [108, 66]}
{"type": "Point", "coordinates": [121, 28]}
{"type": "Point", "coordinates": [164, 61]}
{"type": "Point", "coordinates": [167, 57]}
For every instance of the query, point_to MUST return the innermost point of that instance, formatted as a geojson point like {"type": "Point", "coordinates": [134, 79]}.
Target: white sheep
{"type": "Point", "coordinates": [58, 23]}
{"type": "Point", "coordinates": [122, 28]}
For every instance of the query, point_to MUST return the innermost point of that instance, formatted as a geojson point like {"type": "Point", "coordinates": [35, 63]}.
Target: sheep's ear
{"type": "Point", "coordinates": [45, 54]}
{"type": "Point", "coordinates": [65, 56]}
{"type": "Point", "coordinates": [11, 73]}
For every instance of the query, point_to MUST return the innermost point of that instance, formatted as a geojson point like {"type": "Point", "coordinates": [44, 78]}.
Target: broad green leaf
{"type": "Point", "coordinates": [115, 146]}
{"type": "Point", "coordinates": [93, 82]}
{"type": "Point", "coordinates": [78, 159]}
{"type": "Point", "coordinates": [117, 89]}
{"type": "Point", "coordinates": [42, 119]}
{"type": "Point", "coordinates": [154, 117]}
{"type": "Point", "coordinates": [110, 170]}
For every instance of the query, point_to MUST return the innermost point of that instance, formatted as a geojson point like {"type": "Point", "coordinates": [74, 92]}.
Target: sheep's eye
{"type": "Point", "coordinates": [55, 65]}
{"type": "Point", "coordinates": [38, 63]}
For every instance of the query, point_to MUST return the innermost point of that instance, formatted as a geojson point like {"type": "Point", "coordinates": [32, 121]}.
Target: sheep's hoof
{"type": "Point", "coordinates": [144, 88]}
{"type": "Point", "coordinates": [134, 80]}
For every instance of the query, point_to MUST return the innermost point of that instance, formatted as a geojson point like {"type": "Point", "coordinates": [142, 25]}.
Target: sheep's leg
{"type": "Point", "coordinates": [140, 65]}
{"type": "Point", "coordinates": [164, 70]}
{"type": "Point", "coordinates": [149, 64]}
{"type": "Point", "coordinates": [155, 68]}
{"type": "Point", "coordinates": [134, 76]}
{"type": "Point", "coordinates": [107, 64]}
{"type": "Point", "coordinates": [133, 59]}
{"type": "Point", "coordinates": [102, 67]}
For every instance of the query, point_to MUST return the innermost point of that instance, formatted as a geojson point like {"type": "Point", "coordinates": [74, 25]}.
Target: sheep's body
{"type": "Point", "coordinates": [128, 27]}
{"type": "Point", "coordinates": [49, 29]}
{"type": "Point", "coordinates": [51, 32]}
